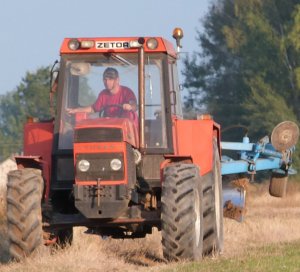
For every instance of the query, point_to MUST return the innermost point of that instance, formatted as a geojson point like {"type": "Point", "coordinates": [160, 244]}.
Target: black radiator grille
{"type": "Point", "coordinates": [87, 135]}
{"type": "Point", "coordinates": [100, 167]}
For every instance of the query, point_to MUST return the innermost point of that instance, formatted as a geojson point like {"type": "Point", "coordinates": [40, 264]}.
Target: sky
{"type": "Point", "coordinates": [31, 31]}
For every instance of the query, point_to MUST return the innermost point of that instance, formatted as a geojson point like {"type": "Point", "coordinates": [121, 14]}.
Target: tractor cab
{"type": "Point", "coordinates": [81, 81]}
{"type": "Point", "coordinates": [147, 66]}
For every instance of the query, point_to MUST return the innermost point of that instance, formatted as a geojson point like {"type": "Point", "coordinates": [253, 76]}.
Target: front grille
{"type": "Point", "coordinates": [87, 135]}
{"type": "Point", "coordinates": [100, 167]}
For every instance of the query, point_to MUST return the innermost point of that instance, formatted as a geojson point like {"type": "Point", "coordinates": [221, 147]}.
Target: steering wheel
{"type": "Point", "coordinates": [101, 112]}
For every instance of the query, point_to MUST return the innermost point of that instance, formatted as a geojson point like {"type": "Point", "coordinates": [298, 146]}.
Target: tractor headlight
{"type": "Point", "coordinates": [115, 164]}
{"type": "Point", "coordinates": [87, 44]}
{"type": "Point", "coordinates": [83, 165]}
{"type": "Point", "coordinates": [152, 43]}
{"type": "Point", "coordinates": [73, 44]}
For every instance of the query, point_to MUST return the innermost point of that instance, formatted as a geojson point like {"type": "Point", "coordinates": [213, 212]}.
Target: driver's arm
{"type": "Point", "coordinates": [87, 109]}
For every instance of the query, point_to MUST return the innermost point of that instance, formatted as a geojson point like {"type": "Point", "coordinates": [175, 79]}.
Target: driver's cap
{"type": "Point", "coordinates": [110, 73]}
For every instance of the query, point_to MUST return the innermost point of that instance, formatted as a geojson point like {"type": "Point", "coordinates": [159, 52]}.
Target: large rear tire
{"type": "Point", "coordinates": [278, 184]}
{"type": "Point", "coordinates": [24, 214]}
{"type": "Point", "coordinates": [182, 231]}
{"type": "Point", "coordinates": [213, 236]}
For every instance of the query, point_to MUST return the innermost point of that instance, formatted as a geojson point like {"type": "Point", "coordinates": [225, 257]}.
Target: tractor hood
{"type": "Point", "coordinates": [107, 129]}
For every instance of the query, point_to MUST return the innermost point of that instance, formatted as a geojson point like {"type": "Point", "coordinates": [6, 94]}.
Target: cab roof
{"type": "Point", "coordinates": [115, 45]}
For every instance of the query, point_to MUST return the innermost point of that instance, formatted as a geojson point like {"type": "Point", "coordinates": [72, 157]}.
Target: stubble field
{"type": "Point", "coordinates": [268, 221]}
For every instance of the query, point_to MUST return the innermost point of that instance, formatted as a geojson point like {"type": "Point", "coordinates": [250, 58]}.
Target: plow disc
{"type": "Point", "coordinates": [285, 135]}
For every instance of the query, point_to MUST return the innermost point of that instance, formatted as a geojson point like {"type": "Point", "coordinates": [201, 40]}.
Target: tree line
{"type": "Point", "coordinates": [247, 70]}
{"type": "Point", "coordinates": [30, 99]}
{"type": "Point", "coordinates": [246, 74]}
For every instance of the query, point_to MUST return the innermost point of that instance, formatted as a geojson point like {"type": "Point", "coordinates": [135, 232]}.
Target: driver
{"type": "Point", "coordinates": [115, 100]}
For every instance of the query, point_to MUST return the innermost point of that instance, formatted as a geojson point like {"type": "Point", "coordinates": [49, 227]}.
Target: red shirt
{"type": "Point", "coordinates": [123, 96]}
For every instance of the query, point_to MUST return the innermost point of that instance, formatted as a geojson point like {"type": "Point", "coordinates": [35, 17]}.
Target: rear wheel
{"type": "Point", "coordinates": [278, 184]}
{"type": "Point", "coordinates": [182, 232]}
{"type": "Point", "coordinates": [213, 237]}
{"type": "Point", "coordinates": [24, 215]}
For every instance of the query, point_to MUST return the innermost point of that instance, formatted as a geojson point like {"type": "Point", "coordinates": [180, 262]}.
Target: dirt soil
{"type": "Point", "coordinates": [268, 220]}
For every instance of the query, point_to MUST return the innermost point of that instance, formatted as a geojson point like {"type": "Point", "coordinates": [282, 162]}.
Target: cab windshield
{"type": "Point", "coordinates": [83, 81]}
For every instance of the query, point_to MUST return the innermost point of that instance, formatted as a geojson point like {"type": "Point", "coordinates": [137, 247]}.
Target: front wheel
{"type": "Point", "coordinates": [24, 215]}
{"type": "Point", "coordinates": [182, 231]}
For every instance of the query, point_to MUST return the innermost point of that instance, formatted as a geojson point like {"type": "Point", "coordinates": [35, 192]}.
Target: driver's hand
{"type": "Point", "coordinates": [127, 107]}
{"type": "Point", "coordinates": [72, 111]}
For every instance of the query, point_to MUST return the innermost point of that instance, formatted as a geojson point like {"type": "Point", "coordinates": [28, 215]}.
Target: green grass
{"type": "Point", "coordinates": [280, 257]}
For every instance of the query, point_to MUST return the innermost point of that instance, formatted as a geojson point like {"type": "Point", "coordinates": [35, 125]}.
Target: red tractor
{"type": "Point", "coordinates": [115, 176]}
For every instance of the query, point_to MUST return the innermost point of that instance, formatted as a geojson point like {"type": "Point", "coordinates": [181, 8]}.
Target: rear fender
{"type": "Point", "coordinates": [194, 139]}
{"type": "Point", "coordinates": [38, 163]}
